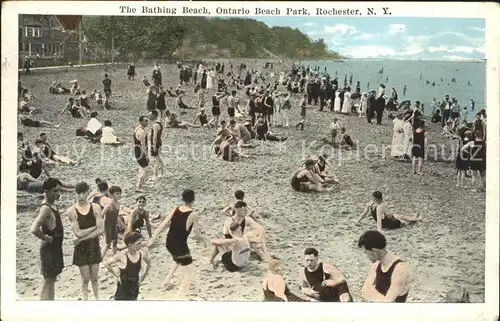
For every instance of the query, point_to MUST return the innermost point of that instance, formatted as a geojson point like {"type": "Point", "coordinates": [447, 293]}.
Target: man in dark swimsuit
{"type": "Point", "coordinates": [388, 279]}
{"type": "Point", "coordinates": [322, 281]}
{"type": "Point", "coordinates": [87, 225]}
{"type": "Point", "coordinates": [48, 228]}
{"type": "Point", "coordinates": [155, 143]}
{"type": "Point", "coordinates": [182, 221]}
{"type": "Point", "coordinates": [141, 150]}
{"type": "Point", "coordinates": [129, 264]}
{"type": "Point", "coordinates": [139, 217]}
{"type": "Point", "coordinates": [304, 180]}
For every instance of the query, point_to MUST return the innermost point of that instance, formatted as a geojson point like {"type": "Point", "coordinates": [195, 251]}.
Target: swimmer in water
{"type": "Point", "coordinates": [389, 277]}
{"type": "Point", "coordinates": [384, 220]}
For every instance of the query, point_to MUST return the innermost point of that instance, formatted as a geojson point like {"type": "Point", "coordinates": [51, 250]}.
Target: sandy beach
{"type": "Point", "coordinates": [446, 250]}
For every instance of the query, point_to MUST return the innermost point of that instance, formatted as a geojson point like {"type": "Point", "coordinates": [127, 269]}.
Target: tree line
{"type": "Point", "coordinates": [194, 37]}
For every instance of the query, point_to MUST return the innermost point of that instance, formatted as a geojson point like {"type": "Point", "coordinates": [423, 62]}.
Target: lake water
{"type": "Point", "coordinates": [407, 72]}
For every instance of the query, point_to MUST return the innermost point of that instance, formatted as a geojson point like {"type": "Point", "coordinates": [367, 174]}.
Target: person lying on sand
{"type": "Point", "coordinates": [129, 264]}
{"type": "Point", "coordinates": [27, 183]}
{"type": "Point", "coordinates": [321, 281]}
{"type": "Point", "coordinates": [305, 180]}
{"type": "Point", "coordinates": [274, 286]}
{"type": "Point", "coordinates": [57, 89]}
{"type": "Point", "coordinates": [256, 236]}
{"type": "Point", "coordinates": [28, 122]}
{"type": "Point", "coordinates": [229, 151]}
{"type": "Point", "coordinates": [235, 251]}
{"type": "Point", "coordinates": [388, 279]}
{"type": "Point", "coordinates": [382, 218]}
{"type": "Point", "coordinates": [324, 169]}
{"type": "Point", "coordinates": [51, 155]}
{"type": "Point", "coordinates": [172, 121]}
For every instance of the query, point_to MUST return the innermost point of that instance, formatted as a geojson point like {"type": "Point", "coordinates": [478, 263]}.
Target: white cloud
{"type": "Point", "coordinates": [454, 49]}
{"type": "Point", "coordinates": [412, 49]}
{"type": "Point", "coordinates": [340, 29]}
{"type": "Point", "coordinates": [397, 28]}
{"type": "Point", "coordinates": [478, 29]}
{"type": "Point", "coordinates": [312, 33]}
{"type": "Point", "coordinates": [310, 24]}
{"type": "Point", "coordinates": [363, 35]}
{"type": "Point", "coordinates": [367, 51]}
{"type": "Point", "coordinates": [455, 57]}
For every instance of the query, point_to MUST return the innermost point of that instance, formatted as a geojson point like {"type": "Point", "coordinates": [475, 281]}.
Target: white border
{"type": "Point", "coordinates": [75, 310]}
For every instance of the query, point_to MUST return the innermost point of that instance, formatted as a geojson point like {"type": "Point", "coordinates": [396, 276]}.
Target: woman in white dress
{"type": "Point", "coordinates": [346, 104]}
{"type": "Point", "coordinates": [363, 104]}
{"type": "Point", "coordinates": [398, 137]}
{"type": "Point", "coordinates": [337, 102]}
{"type": "Point", "coordinates": [408, 136]}
{"type": "Point", "coordinates": [210, 79]}
{"type": "Point", "coordinates": [108, 135]}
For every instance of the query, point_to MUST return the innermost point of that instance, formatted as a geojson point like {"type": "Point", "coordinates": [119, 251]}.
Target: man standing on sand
{"type": "Point", "coordinates": [48, 228]}
{"type": "Point", "coordinates": [141, 150]}
{"type": "Point", "coordinates": [107, 88]}
{"type": "Point", "coordinates": [388, 279]}
{"type": "Point", "coordinates": [322, 281]}
{"type": "Point", "coordinates": [156, 143]}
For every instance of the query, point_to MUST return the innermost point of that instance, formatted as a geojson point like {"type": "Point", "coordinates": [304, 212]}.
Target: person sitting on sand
{"type": "Point", "coordinates": [57, 89]}
{"type": "Point", "coordinates": [25, 108]}
{"type": "Point", "coordinates": [28, 122]}
{"type": "Point", "coordinates": [222, 133]}
{"type": "Point", "coordinates": [256, 236]}
{"type": "Point", "coordinates": [239, 131]}
{"type": "Point", "coordinates": [229, 151]}
{"type": "Point", "coordinates": [108, 135]}
{"type": "Point", "coordinates": [75, 111]}
{"type": "Point", "coordinates": [382, 218]}
{"type": "Point", "coordinates": [129, 263]}
{"type": "Point", "coordinates": [235, 251]}
{"type": "Point", "coordinates": [388, 279]}
{"type": "Point", "coordinates": [51, 155]}
{"type": "Point", "coordinates": [75, 89]}
{"type": "Point", "coordinates": [274, 286]}
{"type": "Point", "coordinates": [139, 217]}
{"type": "Point", "coordinates": [94, 131]}
{"type": "Point", "coordinates": [325, 170]}
{"type": "Point", "coordinates": [202, 117]}
{"type": "Point", "coordinates": [346, 141]}
{"type": "Point", "coordinates": [180, 103]}
{"type": "Point", "coordinates": [304, 180]}
{"type": "Point", "coordinates": [321, 281]}
{"type": "Point", "coordinates": [263, 132]}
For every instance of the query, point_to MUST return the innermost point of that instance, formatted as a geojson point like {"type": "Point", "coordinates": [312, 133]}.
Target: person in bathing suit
{"type": "Point", "coordinates": [129, 266]}
{"type": "Point", "coordinates": [49, 229]}
{"type": "Point", "coordinates": [141, 150]}
{"type": "Point", "coordinates": [182, 220]}
{"type": "Point", "coordinates": [110, 214]}
{"type": "Point", "coordinates": [274, 286]}
{"type": "Point", "coordinates": [87, 225]}
{"type": "Point", "coordinates": [236, 250]}
{"type": "Point", "coordinates": [240, 196]}
{"type": "Point", "coordinates": [155, 143]}
{"type": "Point", "coordinates": [101, 196]}
{"type": "Point", "coordinates": [304, 179]}
{"type": "Point", "coordinates": [324, 169]}
{"type": "Point", "coordinates": [139, 217]}
{"type": "Point", "coordinates": [321, 281]}
{"type": "Point", "coordinates": [256, 236]}
{"type": "Point", "coordinates": [382, 218]}
{"type": "Point", "coordinates": [389, 277]}
{"type": "Point", "coordinates": [202, 117]}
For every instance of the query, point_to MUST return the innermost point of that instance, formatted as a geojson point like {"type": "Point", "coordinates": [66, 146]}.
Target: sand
{"type": "Point", "coordinates": [446, 250]}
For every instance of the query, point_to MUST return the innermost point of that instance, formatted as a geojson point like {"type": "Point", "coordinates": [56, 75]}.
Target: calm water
{"type": "Point", "coordinates": [405, 72]}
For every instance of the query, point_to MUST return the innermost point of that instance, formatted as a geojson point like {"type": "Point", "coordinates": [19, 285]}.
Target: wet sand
{"type": "Point", "coordinates": [446, 250]}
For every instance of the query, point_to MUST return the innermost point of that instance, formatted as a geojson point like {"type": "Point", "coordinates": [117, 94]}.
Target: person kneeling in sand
{"type": "Point", "coordinates": [229, 151]}
{"type": "Point", "coordinates": [304, 179]}
{"type": "Point", "coordinates": [236, 250]}
{"type": "Point", "coordinates": [383, 219]}
{"type": "Point", "coordinates": [129, 265]}
{"type": "Point", "coordinates": [322, 281]}
{"type": "Point", "coordinates": [275, 287]}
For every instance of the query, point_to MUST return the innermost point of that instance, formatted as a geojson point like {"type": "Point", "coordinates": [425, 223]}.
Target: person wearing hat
{"type": "Point", "coordinates": [370, 106]}
{"type": "Point", "coordinates": [445, 107]}
{"type": "Point", "coordinates": [304, 179]}
{"type": "Point", "coordinates": [398, 136]}
{"type": "Point", "coordinates": [380, 104]}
